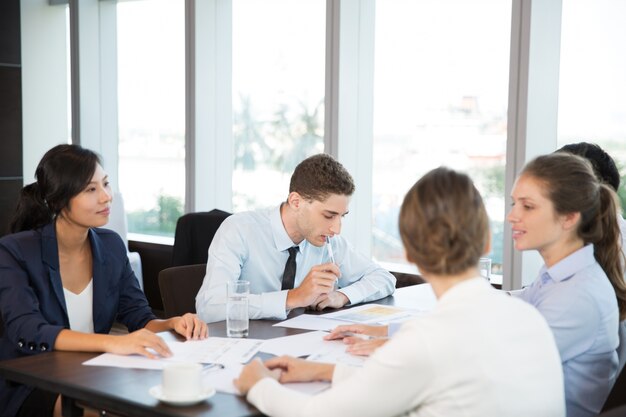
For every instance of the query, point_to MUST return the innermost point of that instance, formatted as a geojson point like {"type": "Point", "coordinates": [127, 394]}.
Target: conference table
{"type": "Point", "coordinates": [124, 391]}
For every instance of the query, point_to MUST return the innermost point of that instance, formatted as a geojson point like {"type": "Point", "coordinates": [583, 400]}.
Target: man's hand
{"type": "Point", "coordinates": [298, 370]}
{"type": "Point", "coordinates": [253, 373]}
{"type": "Point", "coordinates": [320, 280]}
{"type": "Point", "coordinates": [335, 299]}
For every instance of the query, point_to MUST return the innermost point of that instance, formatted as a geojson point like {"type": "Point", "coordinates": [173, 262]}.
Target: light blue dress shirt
{"type": "Point", "coordinates": [254, 245]}
{"type": "Point", "coordinates": [579, 304]}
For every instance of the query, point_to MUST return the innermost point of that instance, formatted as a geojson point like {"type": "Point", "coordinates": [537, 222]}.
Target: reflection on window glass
{"type": "Point", "coordinates": [592, 88]}
{"type": "Point", "coordinates": [440, 98]}
{"type": "Point", "coordinates": [278, 95]}
{"type": "Point", "coordinates": [151, 92]}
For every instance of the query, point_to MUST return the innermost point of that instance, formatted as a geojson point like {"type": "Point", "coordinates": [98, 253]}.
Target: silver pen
{"type": "Point", "coordinates": [329, 248]}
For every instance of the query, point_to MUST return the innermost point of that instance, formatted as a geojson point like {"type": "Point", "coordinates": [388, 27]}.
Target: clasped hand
{"type": "Point", "coordinates": [283, 369]}
{"type": "Point", "coordinates": [316, 290]}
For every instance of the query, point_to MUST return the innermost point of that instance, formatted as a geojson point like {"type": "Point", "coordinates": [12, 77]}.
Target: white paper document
{"type": "Point", "coordinates": [222, 381]}
{"type": "Point", "coordinates": [211, 350]}
{"type": "Point", "coordinates": [373, 314]}
{"type": "Point", "coordinates": [310, 322]}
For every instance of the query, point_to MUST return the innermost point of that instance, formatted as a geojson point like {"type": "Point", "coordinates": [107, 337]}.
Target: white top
{"type": "Point", "coordinates": [80, 309]}
{"type": "Point", "coordinates": [462, 359]}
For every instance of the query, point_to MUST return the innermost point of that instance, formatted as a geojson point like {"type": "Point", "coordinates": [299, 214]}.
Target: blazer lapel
{"type": "Point", "coordinates": [50, 256]}
{"type": "Point", "coordinates": [101, 272]}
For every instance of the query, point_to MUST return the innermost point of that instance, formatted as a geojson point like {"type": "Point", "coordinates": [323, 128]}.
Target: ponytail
{"type": "Point", "coordinates": [31, 212]}
{"type": "Point", "coordinates": [608, 250]}
{"type": "Point", "coordinates": [573, 187]}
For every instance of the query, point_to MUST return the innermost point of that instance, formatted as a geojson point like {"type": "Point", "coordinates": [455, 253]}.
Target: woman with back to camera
{"type": "Point", "coordinates": [560, 209]}
{"type": "Point", "coordinates": [64, 281]}
{"type": "Point", "coordinates": [477, 353]}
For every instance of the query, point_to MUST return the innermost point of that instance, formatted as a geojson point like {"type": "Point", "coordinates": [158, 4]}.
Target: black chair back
{"type": "Point", "coordinates": [193, 236]}
{"type": "Point", "coordinates": [179, 286]}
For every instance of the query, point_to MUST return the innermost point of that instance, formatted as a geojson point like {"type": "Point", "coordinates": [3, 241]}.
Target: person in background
{"type": "Point", "coordinates": [605, 169]}
{"type": "Point", "coordinates": [64, 281]}
{"type": "Point", "coordinates": [479, 352]}
{"type": "Point", "coordinates": [560, 209]}
{"type": "Point", "coordinates": [293, 255]}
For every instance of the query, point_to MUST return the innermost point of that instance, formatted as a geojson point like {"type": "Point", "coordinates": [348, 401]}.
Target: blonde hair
{"type": "Point", "coordinates": [443, 223]}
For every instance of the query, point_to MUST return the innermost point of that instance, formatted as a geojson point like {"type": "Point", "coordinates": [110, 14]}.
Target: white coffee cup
{"type": "Point", "coordinates": [182, 381]}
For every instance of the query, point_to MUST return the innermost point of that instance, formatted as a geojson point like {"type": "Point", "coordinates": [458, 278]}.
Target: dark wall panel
{"type": "Point", "coordinates": [10, 50]}
{"type": "Point", "coordinates": [9, 191]}
{"type": "Point", "coordinates": [10, 122]}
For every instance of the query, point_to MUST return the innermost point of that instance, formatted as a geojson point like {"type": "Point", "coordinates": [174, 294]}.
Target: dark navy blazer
{"type": "Point", "coordinates": [33, 305]}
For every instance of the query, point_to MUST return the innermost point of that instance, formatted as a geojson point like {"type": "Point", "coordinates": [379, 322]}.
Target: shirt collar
{"type": "Point", "coordinates": [281, 238]}
{"type": "Point", "coordinates": [570, 265]}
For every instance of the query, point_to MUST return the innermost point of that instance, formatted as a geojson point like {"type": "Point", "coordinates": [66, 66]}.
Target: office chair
{"type": "Point", "coordinates": [119, 224]}
{"type": "Point", "coordinates": [179, 286]}
{"type": "Point", "coordinates": [193, 236]}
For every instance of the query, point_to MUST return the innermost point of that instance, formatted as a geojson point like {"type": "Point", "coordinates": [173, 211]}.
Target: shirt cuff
{"type": "Point", "coordinates": [273, 304]}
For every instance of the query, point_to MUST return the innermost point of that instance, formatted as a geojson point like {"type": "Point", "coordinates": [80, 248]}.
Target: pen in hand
{"type": "Point", "coordinates": [329, 248]}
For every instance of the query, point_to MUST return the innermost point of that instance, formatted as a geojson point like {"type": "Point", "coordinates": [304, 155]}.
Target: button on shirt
{"type": "Point", "coordinates": [254, 245]}
{"type": "Point", "coordinates": [579, 304]}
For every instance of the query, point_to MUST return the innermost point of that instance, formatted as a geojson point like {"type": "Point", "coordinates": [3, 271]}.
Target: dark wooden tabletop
{"type": "Point", "coordinates": [125, 391]}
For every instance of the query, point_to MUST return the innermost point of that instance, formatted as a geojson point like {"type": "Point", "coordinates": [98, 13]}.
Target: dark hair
{"type": "Point", "coordinates": [443, 223]}
{"type": "Point", "coordinates": [572, 186]}
{"type": "Point", "coordinates": [63, 172]}
{"type": "Point", "coordinates": [320, 175]}
{"type": "Point", "coordinates": [603, 165]}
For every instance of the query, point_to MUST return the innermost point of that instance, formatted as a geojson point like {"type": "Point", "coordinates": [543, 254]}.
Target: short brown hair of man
{"type": "Point", "coordinates": [443, 223]}
{"type": "Point", "coordinates": [319, 176]}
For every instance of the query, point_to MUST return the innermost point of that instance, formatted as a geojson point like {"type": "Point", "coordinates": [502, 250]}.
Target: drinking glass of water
{"type": "Point", "coordinates": [484, 268]}
{"type": "Point", "coordinates": [237, 309]}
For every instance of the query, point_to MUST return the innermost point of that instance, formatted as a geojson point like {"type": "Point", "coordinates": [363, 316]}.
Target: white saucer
{"type": "Point", "coordinates": [157, 393]}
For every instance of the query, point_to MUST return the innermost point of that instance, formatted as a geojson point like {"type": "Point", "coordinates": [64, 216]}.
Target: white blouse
{"type": "Point", "coordinates": [80, 309]}
{"type": "Point", "coordinates": [478, 353]}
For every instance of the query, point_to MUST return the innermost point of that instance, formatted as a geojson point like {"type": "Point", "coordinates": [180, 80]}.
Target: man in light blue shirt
{"type": "Point", "coordinates": [579, 304]}
{"type": "Point", "coordinates": [254, 246]}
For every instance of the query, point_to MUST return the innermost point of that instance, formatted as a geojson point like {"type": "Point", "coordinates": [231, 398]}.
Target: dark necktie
{"type": "Point", "coordinates": [289, 275]}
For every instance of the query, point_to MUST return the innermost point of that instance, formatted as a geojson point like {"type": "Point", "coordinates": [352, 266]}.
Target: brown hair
{"type": "Point", "coordinates": [320, 175]}
{"type": "Point", "coordinates": [443, 223]}
{"type": "Point", "coordinates": [572, 186]}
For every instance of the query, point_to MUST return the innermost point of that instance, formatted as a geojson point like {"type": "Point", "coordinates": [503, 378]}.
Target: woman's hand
{"type": "Point", "coordinates": [363, 347]}
{"type": "Point", "coordinates": [349, 331]}
{"type": "Point", "coordinates": [253, 373]}
{"type": "Point", "coordinates": [190, 326]}
{"type": "Point", "coordinates": [298, 370]}
{"type": "Point", "coordinates": [142, 342]}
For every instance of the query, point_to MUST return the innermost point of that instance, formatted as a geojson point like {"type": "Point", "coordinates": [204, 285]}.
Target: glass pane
{"type": "Point", "coordinates": [592, 87]}
{"type": "Point", "coordinates": [151, 91]}
{"type": "Point", "coordinates": [278, 95]}
{"type": "Point", "coordinates": [440, 98]}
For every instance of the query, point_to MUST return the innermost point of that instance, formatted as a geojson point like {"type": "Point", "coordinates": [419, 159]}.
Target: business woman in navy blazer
{"type": "Point", "coordinates": [59, 251]}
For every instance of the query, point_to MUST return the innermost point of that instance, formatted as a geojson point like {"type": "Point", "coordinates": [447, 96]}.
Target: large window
{"type": "Point", "coordinates": [278, 95]}
{"type": "Point", "coordinates": [151, 94]}
{"type": "Point", "coordinates": [592, 88]}
{"type": "Point", "coordinates": [440, 98]}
